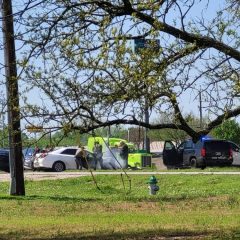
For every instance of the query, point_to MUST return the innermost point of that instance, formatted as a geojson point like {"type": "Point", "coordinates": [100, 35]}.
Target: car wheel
{"type": "Point", "coordinates": [58, 167]}
{"type": "Point", "coordinates": [193, 162]}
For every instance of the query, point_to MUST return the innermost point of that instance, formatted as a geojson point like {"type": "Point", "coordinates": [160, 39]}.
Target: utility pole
{"type": "Point", "coordinates": [3, 105]}
{"type": "Point", "coordinates": [200, 109]}
{"type": "Point", "coordinates": [14, 128]}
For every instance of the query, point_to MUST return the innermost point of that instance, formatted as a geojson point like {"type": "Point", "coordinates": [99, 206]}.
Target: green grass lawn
{"type": "Point", "coordinates": [197, 207]}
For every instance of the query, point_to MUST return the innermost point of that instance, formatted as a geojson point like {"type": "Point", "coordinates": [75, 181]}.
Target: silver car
{"type": "Point", "coordinates": [28, 158]}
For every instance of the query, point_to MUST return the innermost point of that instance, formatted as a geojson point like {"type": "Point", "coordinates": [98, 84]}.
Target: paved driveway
{"type": "Point", "coordinates": [4, 177]}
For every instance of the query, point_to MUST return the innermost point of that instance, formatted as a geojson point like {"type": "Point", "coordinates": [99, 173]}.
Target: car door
{"type": "Point", "coordinates": [180, 151]}
{"type": "Point", "coordinates": [188, 152]}
{"type": "Point", "coordinates": [68, 157]}
{"type": "Point", "coordinates": [236, 154]}
{"type": "Point", "coordinates": [170, 154]}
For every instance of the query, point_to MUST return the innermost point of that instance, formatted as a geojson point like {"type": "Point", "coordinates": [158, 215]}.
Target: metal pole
{"type": "Point", "coordinates": [146, 138]}
{"type": "Point", "coordinates": [146, 115]}
{"type": "Point", "coordinates": [14, 129]}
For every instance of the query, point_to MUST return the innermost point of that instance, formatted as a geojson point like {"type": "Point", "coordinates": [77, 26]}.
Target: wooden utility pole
{"type": "Point", "coordinates": [15, 141]}
{"type": "Point", "coordinates": [200, 109]}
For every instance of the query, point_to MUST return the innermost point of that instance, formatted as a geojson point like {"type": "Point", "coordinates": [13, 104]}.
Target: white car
{"type": "Point", "coordinates": [60, 159]}
{"type": "Point", "coordinates": [236, 153]}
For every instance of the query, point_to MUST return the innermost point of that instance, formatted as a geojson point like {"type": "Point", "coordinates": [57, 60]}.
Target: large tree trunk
{"type": "Point", "coordinates": [15, 142]}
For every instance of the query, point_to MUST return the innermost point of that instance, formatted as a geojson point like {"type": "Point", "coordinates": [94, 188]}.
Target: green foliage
{"type": "Point", "coordinates": [114, 131]}
{"type": "Point", "coordinates": [167, 134]}
{"type": "Point", "coordinates": [4, 137]}
{"type": "Point", "coordinates": [175, 135]}
{"type": "Point", "coordinates": [229, 130]}
{"type": "Point", "coordinates": [72, 138]}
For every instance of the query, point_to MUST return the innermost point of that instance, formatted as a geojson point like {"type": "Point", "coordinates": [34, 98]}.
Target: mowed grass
{"type": "Point", "coordinates": [186, 206]}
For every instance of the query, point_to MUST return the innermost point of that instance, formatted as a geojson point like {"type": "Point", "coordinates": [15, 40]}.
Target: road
{"type": "Point", "coordinates": [37, 176]}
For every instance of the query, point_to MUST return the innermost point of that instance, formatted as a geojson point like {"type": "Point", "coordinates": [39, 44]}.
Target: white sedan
{"type": "Point", "coordinates": [60, 159]}
{"type": "Point", "coordinates": [235, 154]}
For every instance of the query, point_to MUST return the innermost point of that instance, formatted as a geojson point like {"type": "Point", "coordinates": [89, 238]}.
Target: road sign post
{"type": "Point", "coordinates": [153, 45]}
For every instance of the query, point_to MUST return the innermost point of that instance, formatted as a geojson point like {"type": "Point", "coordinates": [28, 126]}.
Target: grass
{"type": "Point", "coordinates": [193, 207]}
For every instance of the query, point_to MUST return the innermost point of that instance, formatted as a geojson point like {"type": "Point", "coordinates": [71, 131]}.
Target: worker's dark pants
{"type": "Point", "coordinates": [81, 162]}
{"type": "Point", "coordinates": [98, 160]}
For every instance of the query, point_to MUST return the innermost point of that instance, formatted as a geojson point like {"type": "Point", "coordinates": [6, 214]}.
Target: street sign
{"type": "Point", "coordinates": [142, 43]}
{"type": "Point", "coordinates": [34, 129]}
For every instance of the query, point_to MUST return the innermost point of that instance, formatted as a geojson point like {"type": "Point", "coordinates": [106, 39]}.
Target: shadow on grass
{"type": "Point", "coordinates": [126, 198]}
{"type": "Point", "coordinates": [171, 199]}
{"type": "Point", "coordinates": [123, 197]}
{"type": "Point", "coordinates": [158, 234]}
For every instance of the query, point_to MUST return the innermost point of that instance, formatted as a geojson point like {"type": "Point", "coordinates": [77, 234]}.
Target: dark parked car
{"type": "Point", "coordinates": [4, 160]}
{"type": "Point", "coordinates": [206, 152]}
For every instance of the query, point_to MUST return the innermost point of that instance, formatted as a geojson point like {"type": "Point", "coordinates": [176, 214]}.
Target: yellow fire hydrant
{"type": "Point", "coordinates": [153, 187]}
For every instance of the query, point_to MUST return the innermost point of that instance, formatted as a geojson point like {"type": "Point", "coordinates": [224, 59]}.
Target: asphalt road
{"type": "Point", "coordinates": [37, 176]}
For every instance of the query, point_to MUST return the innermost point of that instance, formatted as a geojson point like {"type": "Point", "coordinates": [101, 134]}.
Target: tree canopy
{"type": "Point", "coordinates": [80, 57]}
{"type": "Point", "coordinates": [229, 130]}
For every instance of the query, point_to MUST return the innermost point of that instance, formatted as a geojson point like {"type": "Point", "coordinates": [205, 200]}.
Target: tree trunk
{"type": "Point", "coordinates": [14, 129]}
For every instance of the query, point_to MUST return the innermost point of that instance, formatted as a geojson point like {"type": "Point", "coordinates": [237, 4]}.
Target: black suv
{"type": "Point", "coordinates": [4, 160]}
{"type": "Point", "coordinates": [205, 152]}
